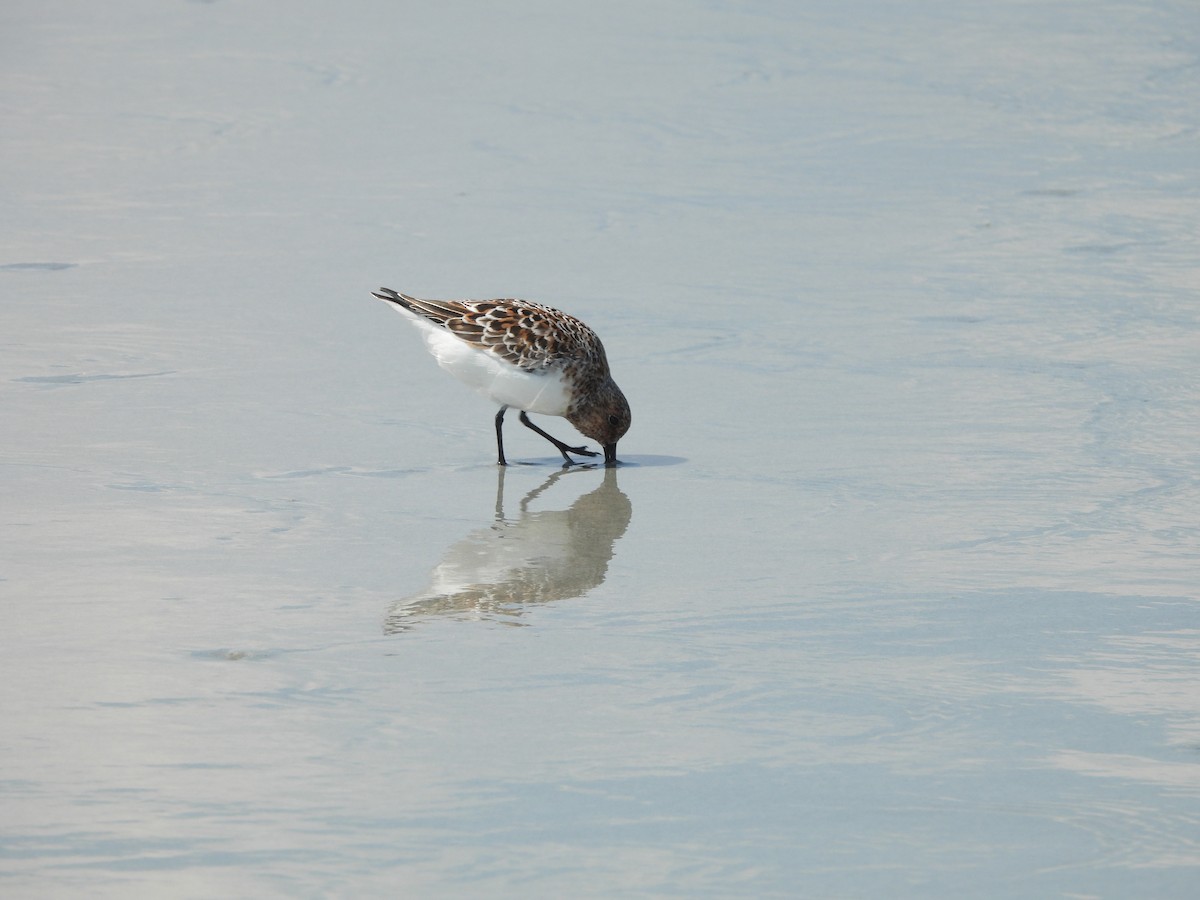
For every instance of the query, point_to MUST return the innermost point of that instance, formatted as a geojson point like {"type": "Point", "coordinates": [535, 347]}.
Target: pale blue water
{"type": "Point", "coordinates": [896, 596]}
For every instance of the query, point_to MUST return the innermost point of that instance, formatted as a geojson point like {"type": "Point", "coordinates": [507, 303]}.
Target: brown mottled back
{"type": "Point", "coordinates": [528, 335]}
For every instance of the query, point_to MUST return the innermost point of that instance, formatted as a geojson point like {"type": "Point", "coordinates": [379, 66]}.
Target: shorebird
{"type": "Point", "coordinates": [525, 356]}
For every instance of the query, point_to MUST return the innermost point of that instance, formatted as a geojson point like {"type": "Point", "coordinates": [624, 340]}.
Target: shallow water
{"type": "Point", "coordinates": [895, 594]}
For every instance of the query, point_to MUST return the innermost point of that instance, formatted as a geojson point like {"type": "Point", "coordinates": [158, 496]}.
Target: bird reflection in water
{"type": "Point", "coordinates": [499, 571]}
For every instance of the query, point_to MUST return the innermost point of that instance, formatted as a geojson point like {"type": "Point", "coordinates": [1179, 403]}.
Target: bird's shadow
{"type": "Point", "coordinates": [643, 460]}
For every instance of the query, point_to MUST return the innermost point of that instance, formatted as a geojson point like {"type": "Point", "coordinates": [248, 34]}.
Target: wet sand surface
{"type": "Point", "coordinates": [894, 595]}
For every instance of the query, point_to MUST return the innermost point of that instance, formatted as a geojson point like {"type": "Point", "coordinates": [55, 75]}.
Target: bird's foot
{"type": "Point", "coordinates": [582, 451]}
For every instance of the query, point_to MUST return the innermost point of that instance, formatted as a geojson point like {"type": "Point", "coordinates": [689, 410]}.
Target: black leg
{"type": "Point", "coordinates": [562, 448]}
{"type": "Point", "coordinates": [500, 435]}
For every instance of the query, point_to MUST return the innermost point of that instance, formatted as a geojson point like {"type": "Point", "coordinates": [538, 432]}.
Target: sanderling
{"type": "Point", "coordinates": [527, 356]}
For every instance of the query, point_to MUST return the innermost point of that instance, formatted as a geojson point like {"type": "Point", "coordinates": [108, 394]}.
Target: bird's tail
{"type": "Point", "coordinates": [392, 297]}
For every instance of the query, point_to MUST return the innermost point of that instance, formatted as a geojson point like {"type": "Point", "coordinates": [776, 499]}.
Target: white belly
{"type": "Point", "coordinates": [542, 392]}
